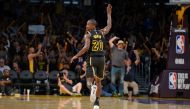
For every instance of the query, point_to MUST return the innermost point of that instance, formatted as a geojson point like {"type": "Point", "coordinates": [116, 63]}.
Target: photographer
{"type": "Point", "coordinates": [67, 86]}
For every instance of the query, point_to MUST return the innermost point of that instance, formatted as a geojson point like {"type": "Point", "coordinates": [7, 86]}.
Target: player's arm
{"type": "Point", "coordinates": [84, 49]}
{"type": "Point", "coordinates": [86, 46]}
{"type": "Point", "coordinates": [106, 29]}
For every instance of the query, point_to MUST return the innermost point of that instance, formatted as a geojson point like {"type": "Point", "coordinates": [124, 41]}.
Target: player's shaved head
{"type": "Point", "coordinates": [93, 21]}
{"type": "Point", "coordinates": [91, 24]}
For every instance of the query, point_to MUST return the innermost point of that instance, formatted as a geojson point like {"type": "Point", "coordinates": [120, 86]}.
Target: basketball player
{"type": "Point", "coordinates": [94, 44]}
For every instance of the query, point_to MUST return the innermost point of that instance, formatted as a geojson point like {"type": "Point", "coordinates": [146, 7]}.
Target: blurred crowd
{"type": "Point", "coordinates": [143, 28]}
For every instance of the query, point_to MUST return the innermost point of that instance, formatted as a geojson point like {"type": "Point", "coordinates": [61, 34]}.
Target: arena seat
{"type": "Point", "coordinates": [41, 83]}
{"type": "Point", "coordinates": [15, 79]}
{"type": "Point", "coordinates": [53, 81]}
{"type": "Point", "coordinates": [26, 81]}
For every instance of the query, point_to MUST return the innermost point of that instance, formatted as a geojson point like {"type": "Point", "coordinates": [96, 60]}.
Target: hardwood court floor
{"type": "Point", "coordinates": [62, 102]}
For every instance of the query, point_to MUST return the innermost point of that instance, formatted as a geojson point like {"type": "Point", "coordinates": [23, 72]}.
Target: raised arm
{"type": "Point", "coordinates": [106, 29]}
{"type": "Point", "coordinates": [137, 61]}
{"type": "Point", "coordinates": [156, 52]}
{"type": "Point", "coordinates": [30, 56]}
{"type": "Point", "coordinates": [111, 41]}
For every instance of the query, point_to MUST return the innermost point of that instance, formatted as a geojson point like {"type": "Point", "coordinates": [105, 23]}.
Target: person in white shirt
{"type": "Point", "coordinates": [3, 66]}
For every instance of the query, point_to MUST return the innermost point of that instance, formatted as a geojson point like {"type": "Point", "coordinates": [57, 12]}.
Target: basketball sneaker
{"type": "Point", "coordinates": [96, 107]}
{"type": "Point", "coordinates": [93, 93]}
{"type": "Point", "coordinates": [96, 104]}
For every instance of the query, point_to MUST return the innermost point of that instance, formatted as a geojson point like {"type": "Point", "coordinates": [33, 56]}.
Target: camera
{"type": "Point", "coordinates": [61, 74]}
{"type": "Point", "coordinates": [64, 73]}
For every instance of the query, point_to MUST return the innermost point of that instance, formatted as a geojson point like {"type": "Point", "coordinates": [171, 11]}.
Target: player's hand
{"type": "Point", "coordinates": [73, 58]}
{"type": "Point", "coordinates": [109, 9]}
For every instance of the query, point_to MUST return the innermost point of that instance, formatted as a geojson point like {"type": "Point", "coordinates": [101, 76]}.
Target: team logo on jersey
{"type": "Point", "coordinates": [180, 44]}
{"type": "Point", "coordinates": [97, 36]}
{"type": "Point", "coordinates": [172, 80]}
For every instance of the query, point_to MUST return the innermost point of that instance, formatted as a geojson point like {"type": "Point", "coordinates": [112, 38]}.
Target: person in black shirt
{"type": "Point", "coordinates": [5, 83]}
{"type": "Point", "coordinates": [42, 63]}
{"type": "Point", "coordinates": [130, 86]}
{"type": "Point", "coordinates": [94, 44]}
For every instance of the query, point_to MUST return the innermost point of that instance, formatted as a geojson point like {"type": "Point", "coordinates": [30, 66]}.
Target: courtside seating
{"type": "Point", "coordinates": [26, 81]}
{"type": "Point", "coordinates": [41, 82]}
{"type": "Point", "coordinates": [53, 82]}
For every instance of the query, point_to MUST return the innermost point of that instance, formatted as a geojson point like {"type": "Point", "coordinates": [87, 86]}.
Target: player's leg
{"type": "Point", "coordinates": [93, 94]}
{"type": "Point", "coordinates": [89, 74]}
{"type": "Point", "coordinates": [90, 81]}
{"type": "Point", "coordinates": [98, 92]}
{"type": "Point", "coordinates": [98, 70]}
{"type": "Point", "coordinates": [98, 84]}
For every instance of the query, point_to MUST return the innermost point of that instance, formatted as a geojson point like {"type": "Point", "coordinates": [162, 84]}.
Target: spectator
{"type": "Point", "coordinates": [18, 59]}
{"type": "Point", "coordinates": [16, 52]}
{"type": "Point", "coordinates": [3, 52]}
{"type": "Point", "coordinates": [17, 48]}
{"type": "Point", "coordinates": [3, 66]}
{"type": "Point", "coordinates": [5, 83]}
{"type": "Point", "coordinates": [129, 81]}
{"type": "Point", "coordinates": [67, 85]}
{"type": "Point", "coordinates": [63, 60]}
{"type": "Point", "coordinates": [80, 73]}
{"type": "Point", "coordinates": [24, 59]}
{"type": "Point", "coordinates": [42, 62]}
{"type": "Point", "coordinates": [108, 88]}
{"type": "Point", "coordinates": [118, 57]}
{"type": "Point", "coordinates": [16, 67]}
{"type": "Point", "coordinates": [158, 58]}
{"type": "Point", "coordinates": [31, 57]}
{"type": "Point", "coordinates": [52, 60]}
